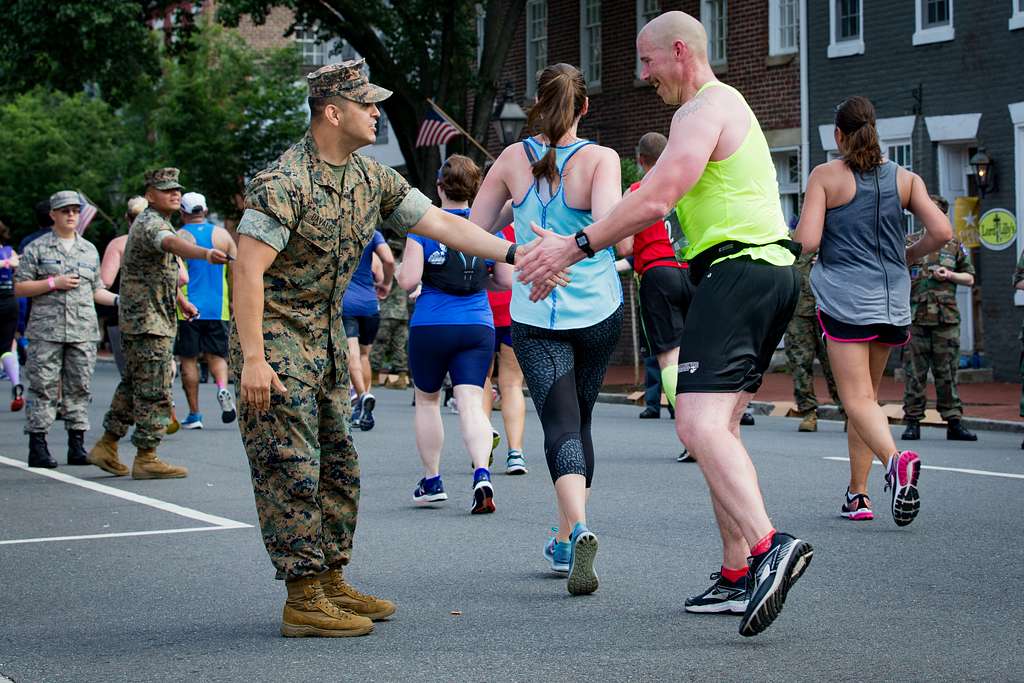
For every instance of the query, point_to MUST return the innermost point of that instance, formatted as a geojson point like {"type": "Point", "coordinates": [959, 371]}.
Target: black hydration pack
{"type": "Point", "coordinates": [452, 272]}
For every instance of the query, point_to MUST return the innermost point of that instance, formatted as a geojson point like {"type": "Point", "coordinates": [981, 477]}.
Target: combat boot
{"type": "Point", "coordinates": [912, 432]}
{"type": "Point", "coordinates": [39, 452]}
{"type": "Point", "coordinates": [346, 597]}
{"type": "Point", "coordinates": [955, 431]}
{"type": "Point", "coordinates": [148, 466]}
{"type": "Point", "coordinates": [104, 456]}
{"type": "Point", "coordinates": [810, 422]}
{"type": "Point", "coordinates": [76, 448]}
{"type": "Point", "coordinates": [308, 612]}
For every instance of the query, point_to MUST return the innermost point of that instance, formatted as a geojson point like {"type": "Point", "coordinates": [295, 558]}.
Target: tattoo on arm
{"type": "Point", "coordinates": [689, 108]}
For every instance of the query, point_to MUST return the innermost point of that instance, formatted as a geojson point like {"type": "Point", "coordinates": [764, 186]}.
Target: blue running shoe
{"type": "Point", "coordinates": [582, 551]}
{"type": "Point", "coordinates": [193, 421]}
{"type": "Point", "coordinates": [557, 553]}
{"type": "Point", "coordinates": [483, 492]}
{"type": "Point", "coordinates": [515, 463]}
{"type": "Point", "coordinates": [429, 491]}
{"type": "Point", "coordinates": [357, 413]}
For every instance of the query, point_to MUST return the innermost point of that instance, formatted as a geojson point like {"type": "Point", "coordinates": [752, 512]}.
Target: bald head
{"type": "Point", "coordinates": [665, 29]}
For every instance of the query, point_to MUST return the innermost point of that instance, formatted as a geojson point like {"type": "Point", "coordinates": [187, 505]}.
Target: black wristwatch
{"type": "Point", "coordinates": [583, 242]}
{"type": "Point", "coordinates": [510, 255]}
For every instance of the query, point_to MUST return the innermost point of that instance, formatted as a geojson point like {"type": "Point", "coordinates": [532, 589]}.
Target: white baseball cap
{"type": "Point", "coordinates": [191, 202]}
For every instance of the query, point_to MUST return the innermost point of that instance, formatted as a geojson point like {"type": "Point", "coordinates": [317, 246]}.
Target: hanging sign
{"type": "Point", "coordinates": [965, 221]}
{"type": "Point", "coordinates": [997, 229]}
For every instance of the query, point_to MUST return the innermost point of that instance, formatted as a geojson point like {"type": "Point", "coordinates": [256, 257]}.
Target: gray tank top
{"type": "Point", "coordinates": [861, 276]}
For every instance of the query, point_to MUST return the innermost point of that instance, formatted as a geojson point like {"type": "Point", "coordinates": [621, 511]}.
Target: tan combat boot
{"type": "Point", "coordinates": [148, 466]}
{"type": "Point", "coordinates": [308, 612]}
{"type": "Point", "coordinates": [810, 422]}
{"type": "Point", "coordinates": [345, 596]}
{"type": "Point", "coordinates": [104, 456]}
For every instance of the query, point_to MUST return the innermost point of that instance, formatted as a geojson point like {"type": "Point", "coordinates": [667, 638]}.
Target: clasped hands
{"type": "Point", "coordinates": [544, 262]}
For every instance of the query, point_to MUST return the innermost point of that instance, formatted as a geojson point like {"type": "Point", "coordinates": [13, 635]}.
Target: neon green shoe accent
{"type": "Point", "coordinates": [668, 383]}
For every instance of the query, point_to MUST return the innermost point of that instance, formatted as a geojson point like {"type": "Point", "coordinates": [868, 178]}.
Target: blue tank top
{"type": "Point", "coordinates": [6, 278]}
{"type": "Point", "coordinates": [207, 287]}
{"type": "Point", "coordinates": [595, 291]}
{"type": "Point", "coordinates": [361, 296]}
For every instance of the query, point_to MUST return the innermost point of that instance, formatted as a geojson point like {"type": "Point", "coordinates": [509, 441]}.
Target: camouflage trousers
{"type": "Point", "coordinates": [305, 476]}
{"type": "Point", "coordinates": [803, 345]}
{"type": "Point", "coordinates": [391, 350]}
{"type": "Point", "coordinates": [936, 347]}
{"type": "Point", "coordinates": [143, 396]}
{"type": "Point", "coordinates": [59, 371]}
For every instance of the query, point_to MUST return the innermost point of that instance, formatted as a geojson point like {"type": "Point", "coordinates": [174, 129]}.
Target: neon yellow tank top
{"type": "Point", "coordinates": [737, 199]}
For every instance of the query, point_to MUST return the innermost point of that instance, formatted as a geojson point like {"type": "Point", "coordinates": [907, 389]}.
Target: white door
{"type": "Point", "coordinates": [953, 171]}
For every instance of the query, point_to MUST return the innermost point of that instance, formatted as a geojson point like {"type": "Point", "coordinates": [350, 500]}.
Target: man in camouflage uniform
{"type": "Point", "coordinates": [935, 335]}
{"type": "Point", "coordinates": [390, 351]}
{"type": "Point", "coordinates": [804, 343]}
{"type": "Point", "coordinates": [307, 219]}
{"type": "Point", "coordinates": [148, 321]}
{"type": "Point", "coordinates": [61, 273]}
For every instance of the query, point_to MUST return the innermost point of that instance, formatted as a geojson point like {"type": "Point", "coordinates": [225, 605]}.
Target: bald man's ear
{"type": "Point", "coordinates": [679, 48]}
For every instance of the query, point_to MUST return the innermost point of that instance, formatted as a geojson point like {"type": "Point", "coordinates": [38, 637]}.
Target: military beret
{"type": "Point", "coordinates": [58, 200]}
{"type": "Point", "coordinates": [345, 80]}
{"type": "Point", "coordinates": [163, 179]}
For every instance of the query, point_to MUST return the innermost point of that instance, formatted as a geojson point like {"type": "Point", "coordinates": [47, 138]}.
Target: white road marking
{"type": "Point", "coordinates": [217, 522]}
{"type": "Point", "coordinates": [85, 537]}
{"type": "Point", "coordinates": [961, 470]}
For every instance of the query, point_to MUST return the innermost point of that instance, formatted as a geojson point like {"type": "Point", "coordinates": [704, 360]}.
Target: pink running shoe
{"type": "Point", "coordinates": [901, 478]}
{"type": "Point", "coordinates": [857, 507]}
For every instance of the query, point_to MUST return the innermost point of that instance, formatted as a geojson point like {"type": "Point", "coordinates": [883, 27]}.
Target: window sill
{"type": "Point", "coordinates": [939, 34]}
{"type": "Point", "coordinates": [1016, 22]}
{"type": "Point", "coordinates": [720, 69]}
{"type": "Point", "coordinates": [846, 48]}
{"type": "Point", "coordinates": [780, 59]}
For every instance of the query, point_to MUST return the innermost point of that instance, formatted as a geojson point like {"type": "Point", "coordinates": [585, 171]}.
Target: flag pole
{"type": "Point", "coordinates": [100, 211]}
{"type": "Point", "coordinates": [459, 128]}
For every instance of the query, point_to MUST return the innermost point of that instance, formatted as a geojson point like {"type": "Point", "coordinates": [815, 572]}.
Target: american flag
{"type": "Point", "coordinates": [435, 130]}
{"type": "Point", "coordinates": [88, 213]}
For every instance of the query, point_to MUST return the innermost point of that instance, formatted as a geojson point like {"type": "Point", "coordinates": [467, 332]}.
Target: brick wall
{"type": "Point", "coordinates": [270, 34]}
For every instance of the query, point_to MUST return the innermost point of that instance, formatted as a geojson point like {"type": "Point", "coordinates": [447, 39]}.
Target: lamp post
{"type": "Point", "coordinates": [983, 167]}
{"type": "Point", "coordinates": [509, 117]}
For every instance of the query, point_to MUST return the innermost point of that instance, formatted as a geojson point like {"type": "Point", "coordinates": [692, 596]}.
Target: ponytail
{"type": "Point", "coordinates": [561, 93]}
{"type": "Point", "coordinates": [855, 117]}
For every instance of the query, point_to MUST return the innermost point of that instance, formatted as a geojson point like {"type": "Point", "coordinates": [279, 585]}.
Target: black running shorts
{"type": "Point", "coordinates": [839, 331]}
{"type": "Point", "coordinates": [665, 295]}
{"type": "Point", "coordinates": [364, 327]}
{"type": "Point", "coordinates": [201, 336]}
{"type": "Point", "coordinates": [737, 318]}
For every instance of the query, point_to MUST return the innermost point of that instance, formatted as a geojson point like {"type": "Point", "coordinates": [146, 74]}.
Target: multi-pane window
{"type": "Point", "coordinates": [900, 152]}
{"type": "Point", "coordinates": [935, 13]}
{"type": "Point", "coordinates": [934, 21]}
{"type": "Point", "coordinates": [847, 20]}
{"type": "Point", "coordinates": [713, 16]}
{"type": "Point", "coordinates": [590, 41]}
{"type": "Point", "coordinates": [536, 42]}
{"type": "Point", "coordinates": [784, 26]}
{"type": "Point", "coordinates": [645, 11]}
{"type": "Point", "coordinates": [314, 53]}
{"type": "Point", "coordinates": [787, 174]}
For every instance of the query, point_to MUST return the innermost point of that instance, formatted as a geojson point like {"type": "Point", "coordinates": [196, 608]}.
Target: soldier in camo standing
{"type": "Point", "coordinates": [60, 272]}
{"type": "Point", "coordinates": [804, 343]}
{"type": "Point", "coordinates": [307, 219]}
{"type": "Point", "coordinates": [935, 335]}
{"type": "Point", "coordinates": [390, 353]}
{"type": "Point", "coordinates": [148, 321]}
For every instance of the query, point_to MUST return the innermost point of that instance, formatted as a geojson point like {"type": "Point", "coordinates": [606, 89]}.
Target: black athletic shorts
{"type": "Point", "coordinates": [665, 296]}
{"type": "Point", "coordinates": [201, 336]}
{"type": "Point", "coordinates": [839, 331]}
{"type": "Point", "coordinates": [737, 317]}
{"type": "Point", "coordinates": [362, 326]}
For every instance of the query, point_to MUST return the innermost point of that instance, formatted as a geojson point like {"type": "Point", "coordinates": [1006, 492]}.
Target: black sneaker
{"type": "Point", "coordinates": [685, 456]}
{"type": "Point", "coordinates": [650, 413]}
{"type": "Point", "coordinates": [748, 419]}
{"type": "Point", "coordinates": [773, 573]}
{"type": "Point", "coordinates": [724, 597]}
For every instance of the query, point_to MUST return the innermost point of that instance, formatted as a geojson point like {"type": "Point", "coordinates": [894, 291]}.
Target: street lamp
{"type": "Point", "coordinates": [509, 117]}
{"type": "Point", "coordinates": [984, 171]}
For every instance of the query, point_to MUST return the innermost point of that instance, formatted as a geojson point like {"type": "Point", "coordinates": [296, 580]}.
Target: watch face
{"type": "Point", "coordinates": [581, 240]}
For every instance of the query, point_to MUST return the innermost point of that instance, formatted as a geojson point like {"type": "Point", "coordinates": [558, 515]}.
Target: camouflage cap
{"type": "Point", "coordinates": [163, 179]}
{"type": "Point", "coordinates": [58, 200]}
{"type": "Point", "coordinates": [345, 80]}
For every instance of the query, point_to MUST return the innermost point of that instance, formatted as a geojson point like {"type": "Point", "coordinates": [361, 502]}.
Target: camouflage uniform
{"type": "Point", "coordinates": [63, 332]}
{"type": "Point", "coordinates": [804, 342]}
{"type": "Point", "coordinates": [304, 467]}
{"type": "Point", "coordinates": [934, 332]}
{"type": "Point", "coordinates": [149, 284]}
{"type": "Point", "coordinates": [390, 351]}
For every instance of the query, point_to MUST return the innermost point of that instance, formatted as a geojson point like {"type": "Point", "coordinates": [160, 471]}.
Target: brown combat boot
{"type": "Point", "coordinates": [104, 456]}
{"type": "Point", "coordinates": [346, 597]}
{"type": "Point", "coordinates": [308, 612]}
{"type": "Point", "coordinates": [148, 466]}
{"type": "Point", "coordinates": [810, 422]}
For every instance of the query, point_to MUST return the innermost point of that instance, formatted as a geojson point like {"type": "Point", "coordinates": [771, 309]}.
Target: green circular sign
{"type": "Point", "coordinates": [997, 229]}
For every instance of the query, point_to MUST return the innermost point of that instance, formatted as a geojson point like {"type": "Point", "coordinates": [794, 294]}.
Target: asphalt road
{"type": "Point", "coordinates": [937, 600]}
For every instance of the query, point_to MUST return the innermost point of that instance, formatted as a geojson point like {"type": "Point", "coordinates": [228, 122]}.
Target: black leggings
{"type": "Point", "coordinates": [564, 370]}
{"type": "Point", "coordinates": [8, 322]}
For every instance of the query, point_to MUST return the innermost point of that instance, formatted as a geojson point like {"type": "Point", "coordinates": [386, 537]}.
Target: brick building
{"type": "Point", "coordinates": [942, 77]}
